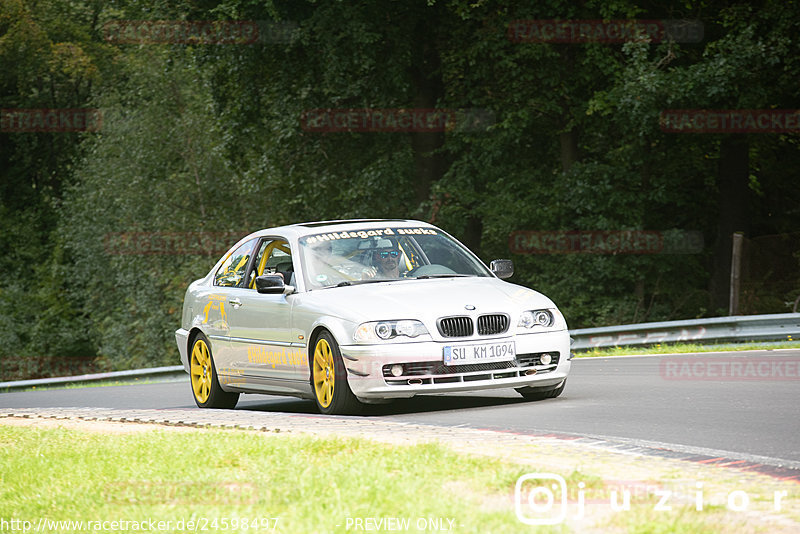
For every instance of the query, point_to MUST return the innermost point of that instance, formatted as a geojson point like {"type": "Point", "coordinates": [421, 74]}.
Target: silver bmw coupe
{"type": "Point", "coordinates": [363, 311]}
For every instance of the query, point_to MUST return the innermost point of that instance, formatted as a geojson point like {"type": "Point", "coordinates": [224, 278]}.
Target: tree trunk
{"type": "Point", "coordinates": [734, 213]}
{"type": "Point", "coordinates": [426, 74]}
{"type": "Point", "coordinates": [569, 149]}
{"type": "Point", "coordinates": [473, 234]}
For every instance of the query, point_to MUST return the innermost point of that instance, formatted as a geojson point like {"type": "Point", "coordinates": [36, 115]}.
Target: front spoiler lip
{"type": "Point", "coordinates": [373, 388]}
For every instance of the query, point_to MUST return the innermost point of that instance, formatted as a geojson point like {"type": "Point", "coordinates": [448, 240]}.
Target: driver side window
{"type": "Point", "coordinates": [273, 257]}
{"type": "Point", "coordinates": [231, 272]}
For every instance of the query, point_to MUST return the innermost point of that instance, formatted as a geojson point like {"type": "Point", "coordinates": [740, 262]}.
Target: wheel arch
{"type": "Point", "coordinates": [334, 386]}
{"type": "Point", "coordinates": [191, 337]}
{"type": "Point", "coordinates": [338, 332]}
{"type": "Point", "coordinates": [312, 340]}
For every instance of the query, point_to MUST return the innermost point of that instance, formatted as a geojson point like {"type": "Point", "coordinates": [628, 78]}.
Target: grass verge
{"type": "Point", "coordinates": [683, 348]}
{"type": "Point", "coordinates": [238, 481]}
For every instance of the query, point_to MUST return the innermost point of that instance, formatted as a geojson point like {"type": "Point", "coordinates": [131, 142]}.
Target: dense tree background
{"type": "Point", "coordinates": [208, 138]}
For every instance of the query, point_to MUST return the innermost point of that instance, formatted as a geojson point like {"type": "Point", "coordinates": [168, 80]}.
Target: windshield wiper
{"type": "Point", "coordinates": [358, 282]}
{"type": "Point", "coordinates": [424, 276]}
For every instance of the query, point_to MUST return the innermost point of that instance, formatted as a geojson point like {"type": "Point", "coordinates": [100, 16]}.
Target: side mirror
{"type": "Point", "coordinates": [271, 284]}
{"type": "Point", "coordinates": [502, 268]}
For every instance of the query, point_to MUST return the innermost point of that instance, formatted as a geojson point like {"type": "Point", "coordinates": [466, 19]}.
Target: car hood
{"type": "Point", "coordinates": [426, 300]}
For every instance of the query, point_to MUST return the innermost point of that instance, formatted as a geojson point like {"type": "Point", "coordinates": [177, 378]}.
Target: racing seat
{"type": "Point", "coordinates": [287, 270]}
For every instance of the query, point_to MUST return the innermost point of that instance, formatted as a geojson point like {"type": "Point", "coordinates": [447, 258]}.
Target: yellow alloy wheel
{"type": "Point", "coordinates": [201, 371]}
{"type": "Point", "coordinates": [324, 373]}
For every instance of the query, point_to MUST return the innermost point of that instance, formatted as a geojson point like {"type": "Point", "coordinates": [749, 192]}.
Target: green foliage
{"type": "Point", "coordinates": [209, 138]}
{"type": "Point", "coordinates": [157, 169]}
{"type": "Point", "coordinates": [49, 59]}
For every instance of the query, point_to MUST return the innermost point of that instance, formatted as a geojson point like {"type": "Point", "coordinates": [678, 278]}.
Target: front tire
{"type": "Point", "coordinates": [537, 394]}
{"type": "Point", "coordinates": [332, 393]}
{"type": "Point", "coordinates": [206, 390]}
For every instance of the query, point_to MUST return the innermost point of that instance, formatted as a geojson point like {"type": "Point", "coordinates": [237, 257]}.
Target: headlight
{"type": "Point", "coordinates": [533, 318]}
{"type": "Point", "coordinates": [383, 330]}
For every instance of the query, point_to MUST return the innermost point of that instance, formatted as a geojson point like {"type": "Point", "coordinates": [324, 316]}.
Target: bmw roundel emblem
{"type": "Point", "coordinates": [469, 307]}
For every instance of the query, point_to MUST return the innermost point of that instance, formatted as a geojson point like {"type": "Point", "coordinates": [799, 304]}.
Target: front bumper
{"type": "Point", "coordinates": [424, 371]}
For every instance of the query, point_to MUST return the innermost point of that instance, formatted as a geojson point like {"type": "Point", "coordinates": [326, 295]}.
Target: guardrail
{"type": "Point", "coordinates": [152, 372]}
{"type": "Point", "coordinates": [773, 327]}
{"type": "Point", "coordinates": [740, 328]}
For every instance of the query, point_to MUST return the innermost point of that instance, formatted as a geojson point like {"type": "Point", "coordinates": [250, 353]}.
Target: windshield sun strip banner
{"type": "Point", "coordinates": [365, 234]}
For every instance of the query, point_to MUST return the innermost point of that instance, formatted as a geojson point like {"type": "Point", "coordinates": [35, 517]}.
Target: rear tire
{"type": "Point", "coordinates": [332, 393]}
{"type": "Point", "coordinates": [537, 394]}
{"type": "Point", "coordinates": [206, 390]}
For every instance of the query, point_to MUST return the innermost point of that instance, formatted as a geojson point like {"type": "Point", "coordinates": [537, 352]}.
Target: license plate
{"type": "Point", "coordinates": [485, 352]}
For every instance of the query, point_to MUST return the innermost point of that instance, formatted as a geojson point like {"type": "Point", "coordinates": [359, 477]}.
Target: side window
{"type": "Point", "coordinates": [231, 272]}
{"type": "Point", "coordinates": [274, 257]}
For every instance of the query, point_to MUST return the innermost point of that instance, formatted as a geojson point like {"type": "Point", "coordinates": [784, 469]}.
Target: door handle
{"type": "Point", "coordinates": [235, 302]}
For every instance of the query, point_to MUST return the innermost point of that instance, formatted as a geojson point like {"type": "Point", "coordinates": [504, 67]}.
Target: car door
{"type": "Point", "coordinates": [215, 313]}
{"type": "Point", "coordinates": [261, 338]}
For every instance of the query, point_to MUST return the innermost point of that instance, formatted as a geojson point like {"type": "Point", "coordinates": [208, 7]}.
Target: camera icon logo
{"type": "Point", "coordinates": [535, 498]}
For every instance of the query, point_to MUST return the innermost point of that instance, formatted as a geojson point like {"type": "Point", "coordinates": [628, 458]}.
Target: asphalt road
{"type": "Point", "coordinates": [743, 403]}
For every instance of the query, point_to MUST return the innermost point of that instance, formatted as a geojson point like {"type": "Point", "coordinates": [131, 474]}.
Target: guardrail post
{"type": "Point", "coordinates": [736, 267]}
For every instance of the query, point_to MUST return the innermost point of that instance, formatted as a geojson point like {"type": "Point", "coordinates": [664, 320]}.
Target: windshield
{"type": "Point", "coordinates": [363, 256]}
